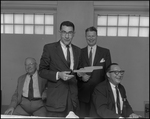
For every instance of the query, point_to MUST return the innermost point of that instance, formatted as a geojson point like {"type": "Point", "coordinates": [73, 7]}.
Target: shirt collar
{"type": "Point", "coordinates": [112, 85]}
{"type": "Point", "coordinates": [93, 47]}
{"type": "Point", "coordinates": [63, 45]}
{"type": "Point", "coordinates": [34, 75]}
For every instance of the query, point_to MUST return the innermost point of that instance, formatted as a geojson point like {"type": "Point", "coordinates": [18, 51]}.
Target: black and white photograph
{"type": "Point", "coordinates": [75, 59]}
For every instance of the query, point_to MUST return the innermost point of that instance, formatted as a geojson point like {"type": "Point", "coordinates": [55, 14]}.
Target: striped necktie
{"type": "Point", "coordinates": [118, 100]}
{"type": "Point", "coordinates": [30, 93]}
{"type": "Point", "coordinates": [68, 55]}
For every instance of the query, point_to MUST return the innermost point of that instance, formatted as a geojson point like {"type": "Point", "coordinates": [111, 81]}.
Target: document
{"type": "Point", "coordinates": [88, 69]}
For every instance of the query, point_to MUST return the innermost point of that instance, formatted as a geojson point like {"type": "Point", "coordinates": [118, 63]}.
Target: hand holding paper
{"type": "Point", "coordinates": [87, 69]}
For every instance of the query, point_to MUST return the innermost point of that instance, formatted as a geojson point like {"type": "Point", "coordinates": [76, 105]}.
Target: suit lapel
{"type": "Point", "coordinates": [60, 53]}
{"type": "Point", "coordinates": [22, 84]}
{"type": "Point", "coordinates": [75, 54]}
{"type": "Point", "coordinates": [110, 92]}
{"type": "Point", "coordinates": [98, 54]}
{"type": "Point", "coordinates": [39, 83]}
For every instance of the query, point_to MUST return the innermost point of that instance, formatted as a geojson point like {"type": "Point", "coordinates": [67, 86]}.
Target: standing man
{"type": "Point", "coordinates": [27, 99]}
{"type": "Point", "coordinates": [57, 61]}
{"type": "Point", "coordinates": [92, 55]}
{"type": "Point", "coordinates": [109, 98]}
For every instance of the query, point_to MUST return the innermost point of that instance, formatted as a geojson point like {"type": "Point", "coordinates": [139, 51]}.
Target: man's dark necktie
{"type": "Point", "coordinates": [30, 94]}
{"type": "Point", "coordinates": [118, 100]}
{"type": "Point", "coordinates": [68, 55]}
{"type": "Point", "coordinates": [90, 57]}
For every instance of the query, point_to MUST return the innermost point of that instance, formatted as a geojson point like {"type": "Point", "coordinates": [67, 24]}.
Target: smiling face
{"type": "Point", "coordinates": [115, 78]}
{"type": "Point", "coordinates": [91, 38]}
{"type": "Point", "coordinates": [30, 66]}
{"type": "Point", "coordinates": [66, 34]}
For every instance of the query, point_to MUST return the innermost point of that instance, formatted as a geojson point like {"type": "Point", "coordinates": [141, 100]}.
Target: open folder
{"type": "Point", "coordinates": [88, 69]}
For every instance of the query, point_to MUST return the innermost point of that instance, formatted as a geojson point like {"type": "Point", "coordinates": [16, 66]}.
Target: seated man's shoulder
{"type": "Point", "coordinates": [101, 85]}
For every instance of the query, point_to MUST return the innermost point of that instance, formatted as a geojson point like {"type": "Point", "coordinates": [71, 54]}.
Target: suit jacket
{"type": "Point", "coordinates": [103, 104]}
{"type": "Point", "coordinates": [52, 61]}
{"type": "Point", "coordinates": [97, 76]}
{"type": "Point", "coordinates": [17, 96]}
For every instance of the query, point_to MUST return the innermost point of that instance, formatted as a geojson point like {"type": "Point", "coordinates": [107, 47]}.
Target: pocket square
{"type": "Point", "coordinates": [102, 60]}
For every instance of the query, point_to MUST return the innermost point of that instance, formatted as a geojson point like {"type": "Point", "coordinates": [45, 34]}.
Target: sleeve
{"type": "Point", "coordinates": [44, 67]}
{"type": "Point", "coordinates": [14, 99]}
{"type": "Point", "coordinates": [108, 58]}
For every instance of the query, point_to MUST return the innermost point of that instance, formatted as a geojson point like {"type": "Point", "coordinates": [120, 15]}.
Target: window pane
{"type": "Point", "coordinates": [28, 29]}
{"type": "Point", "coordinates": [133, 31]}
{"type": "Point", "coordinates": [8, 28]}
{"type": "Point", "coordinates": [102, 20]}
{"type": "Point", "coordinates": [2, 29]}
{"type": "Point", "coordinates": [144, 32]}
{"type": "Point", "coordinates": [49, 19]}
{"type": "Point", "coordinates": [144, 21]}
{"type": "Point", "coordinates": [112, 20]}
{"type": "Point", "coordinates": [1, 18]}
{"type": "Point", "coordinates": [101, 31]}
{"type": "Point", "coordinates": [122, 31]}
{"type": "Point", "coordinates": [123, 21]}
{"type": "Point", "coordinates": [48, 29]}
{"type": "Point", "coordinates": [8, 18]}
{"type": "Point", "coordinates": [18, 29]}
{"type": "Point", "coordinates": [39, 29]}
{"type": "Point", "coordinates": [133, 21]}
{"type": "Point", "coordinates": [18, 18]}
{"type": "Point", "coordinates": [39, 19]}
{"type": "Point", "coordinates": [28, 19]}
{"type": "Point", "coordinates": [112, 31]}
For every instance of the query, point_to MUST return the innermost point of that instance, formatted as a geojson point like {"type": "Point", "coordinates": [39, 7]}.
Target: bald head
{"type": "Point", "coordinates": [30, 65]}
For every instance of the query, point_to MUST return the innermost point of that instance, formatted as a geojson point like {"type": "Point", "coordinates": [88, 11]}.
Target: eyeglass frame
{"type": "Point", "coordinates": [69, 33]}
{"type": "Point", "coordinates": [117, 72]}
{"type": "Point", "coordinates": [31, 64]}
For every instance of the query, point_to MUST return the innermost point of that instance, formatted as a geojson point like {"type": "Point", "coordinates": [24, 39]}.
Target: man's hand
{"type": "Point", "coordinates": [9, 111]}
{"type": "Point", "coordinates": [65, 75]}
{"type": "Point", "coordinates": [85, 77]}
{"type": "Point", "coordinates": [72, 115]}
{"type": "Point", "coordinates": [133, 115]}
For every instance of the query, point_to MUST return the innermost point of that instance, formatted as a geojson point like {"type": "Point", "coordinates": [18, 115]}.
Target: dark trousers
{"type": "Point", "coordinates": [30, 108]}
{"type": "Point", "coordinates": [84, 110]}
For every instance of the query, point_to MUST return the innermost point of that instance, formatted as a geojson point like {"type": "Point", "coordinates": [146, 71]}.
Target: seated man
{"type": "Point", "coordinates": [109, 97]}
{"type": "Point", "coordinates": [27, 99]}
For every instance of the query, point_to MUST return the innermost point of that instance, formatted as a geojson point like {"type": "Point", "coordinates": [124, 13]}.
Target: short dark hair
{"type": "Point", "coordinates": [92, 28]}
{"type": "Point", "coordinates": [109, 67]}
{"type": "Point", "coordinates": [67, 23]}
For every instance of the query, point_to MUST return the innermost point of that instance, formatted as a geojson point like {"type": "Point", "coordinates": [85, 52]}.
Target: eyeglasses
{"type": "Point", "coordinates": [69, 33]}
{"type": "Point", "coordinates": [117, 72]}
{"type": "Point", "coordinates": [29, 64]}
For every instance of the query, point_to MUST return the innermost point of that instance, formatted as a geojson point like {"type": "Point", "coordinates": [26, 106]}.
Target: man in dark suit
{"type": "Point", "coordinates": [57, 61]}
{"type": "Point", "coordinates": [92, 55]}
{"type": "Point", "coordinates": [109, 97]}
{"type": "Point", "coordinates": [27, 99]}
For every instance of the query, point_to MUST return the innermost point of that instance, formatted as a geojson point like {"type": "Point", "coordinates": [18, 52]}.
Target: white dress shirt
{"type": "Point", "coordinates": [36, 92]}
{"type": "Point", "coordinates": [115, 97]}
{"type": "Point", "coordinates": [93, 52]}
{"type": "Point", "coordinates": [64, 48]}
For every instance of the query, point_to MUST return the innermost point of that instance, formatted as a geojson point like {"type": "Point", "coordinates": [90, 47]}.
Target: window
{"type": "Point", "coordinates": [25, 23]}
{"type": "Point", "coordinates": [123, 25]}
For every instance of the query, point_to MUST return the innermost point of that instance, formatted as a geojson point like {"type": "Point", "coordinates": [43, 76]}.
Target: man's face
{"type": "Point", "coordinates": [66, 34]}
{"type": "Point", "coordinates": [91, 38]}
{"type": "Point", "coordinates": [115, 75]}
{"type": "Point", "coordinates": [30, 66]}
